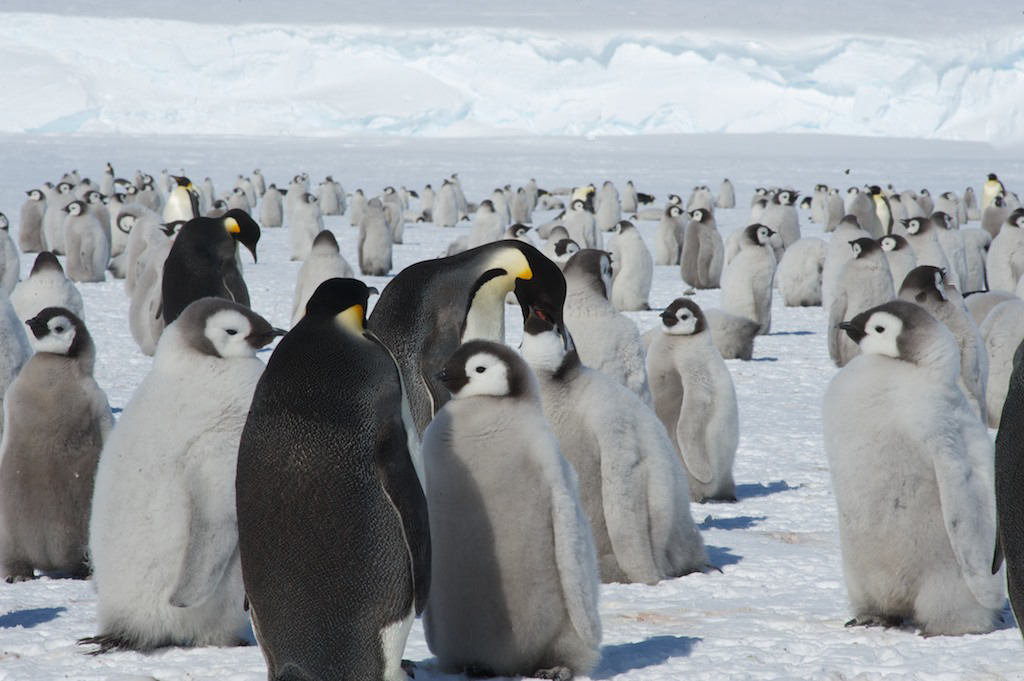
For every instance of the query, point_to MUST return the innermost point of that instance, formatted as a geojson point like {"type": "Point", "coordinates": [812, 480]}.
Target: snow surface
{"type": "Point", "coordinates": [777, 608]}
{"type": "Point", "coordinates": [951, 70]}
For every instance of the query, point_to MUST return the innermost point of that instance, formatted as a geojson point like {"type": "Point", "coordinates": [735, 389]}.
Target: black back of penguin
{"type": "Point", "coordinates": [332, 520]}
{"type": "Point", "coordinates": [1009, 481]}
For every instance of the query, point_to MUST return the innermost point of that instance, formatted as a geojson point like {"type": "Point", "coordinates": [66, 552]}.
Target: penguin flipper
{"type": "Point", "coordinates": [234, 286]}
{"type": "Point", "coordinates": [212, 543]}
{"type": "Point", "coordinates": [691, 431]}
{"type": "Point", "coordinates": [401, 484]}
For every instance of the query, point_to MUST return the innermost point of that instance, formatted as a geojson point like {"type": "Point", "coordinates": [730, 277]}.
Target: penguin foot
{"type": "Point", "coordinates": [106, 643]}
{"type": "Point", "coordinates": [477, 672]}
{"type": "Point", "coordinates": [558, 673]}
{"type": "Point", "coordinates": [14, 579]}
{"type": "Point", "coordinates": [409, 667]}
{"type": "Point", "coordinates": [875, 621]}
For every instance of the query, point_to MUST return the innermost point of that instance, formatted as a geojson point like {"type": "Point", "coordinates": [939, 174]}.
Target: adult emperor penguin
{"type": "Point", "coordinates": [605, 338]}
{"type": "Point", "coordinates": [798, 275]}
{"type": "Point", "coordinates": [333, 583]}
{"type": "Point", "coordinates": [703, 251]}
{"type": "Point", "coordinates": [431, 307]}
{"type": "Point", "coordinates": [900, 255]}
{"type": "Point", "coordinates": [162, 541]}
{"type": "Point", "coordinates": [88, 250]}
{"type": "Point", "coordinates": [182, 202]}
{"type": "Point", "coordinates": [747, 283]}
{"type": "Point", "coordinates": [632, 485]}
{"type": "Point", "coordinates": [514, 575]}
{"type": "Point", "coordinates": [325, 262]}
{"type": "Point", "coordinates": [864, 282]}
{"type": "Point", "coordinates": [46, 286]}
{"type": "Point", "coordinates": [633, 268]}
{"type": "Point", "coordinates": [30, 223]}
{"type": "Point", "coordinates": [1002, 331]}
{"type": "Point", "coordinates": [202, 261]}
{"type": "Point", "coordinates": [304, 222]}
{"type": "Point", "coordinates": [375, 241]}
{"type": "Point", "coordinates": [992, 188]}
{"type": "Point", "coordinates": [695, 399]}
{"type": "Point", "coordinates": [1009, 475]}
{"type": "Point", "coordinates": [56, 419]}
{"type": "Point", "coordinates": [668, 240]}
{"type": "Point", "coordinates": [1004, 263]}
{"type": "Point", "coordinates": [912, 474]}
{"type": "Point", "coordinates": [926, 286]}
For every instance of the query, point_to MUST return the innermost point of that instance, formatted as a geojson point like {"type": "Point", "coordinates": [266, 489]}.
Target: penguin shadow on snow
{"type": "Point", "coordinates": [760, 489]}
{"type": "Point", "coordinates": [620, 658]}
{"type": "Point", "coordinates": [30, 617]}
{"type": "Point", "coordinates": [743, 522]}
{"type": "Point", "coordinates": [720, 556]}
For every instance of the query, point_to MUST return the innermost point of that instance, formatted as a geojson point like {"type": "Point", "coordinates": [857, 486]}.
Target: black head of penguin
{"type": "Point", "coordinates": [864, 247]}
{"type": "Point", "coordinates": [242, 229]}
{"type": "Point", "coordinates": [544, 291]}
{"type": "Point", "coordinates": [591, 266]}
{"type": "Point", "coordinates": [54, 320]}
{"type": "Point", "coordinates": [457, 371]}
{"type": "Point", "coordinates": [337, 296]}
{"type": "Point", "coordinates": [681, 309]}
{"type": "Point", "coordinates": [924, 283]}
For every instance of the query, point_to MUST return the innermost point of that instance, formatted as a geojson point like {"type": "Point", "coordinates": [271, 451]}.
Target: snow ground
{"type": "Point", "coordinates": [776, 610]}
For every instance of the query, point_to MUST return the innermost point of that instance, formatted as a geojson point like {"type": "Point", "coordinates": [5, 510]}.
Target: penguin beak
{"type": "Point", "coordinates": [259, 340]}
{"type": "Point", "coordinates": [668, 319]}
{"type": "Point", "coordinates": [38, 327]}
{"type": "Point", "coordinates": [855, 333]}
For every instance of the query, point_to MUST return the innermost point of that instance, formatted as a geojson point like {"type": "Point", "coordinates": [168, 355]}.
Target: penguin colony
{"type": "Point", "coordinates": [607, 439]}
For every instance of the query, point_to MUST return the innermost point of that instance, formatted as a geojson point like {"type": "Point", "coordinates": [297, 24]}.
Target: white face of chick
{"type": "Point", "coordinates": [881, 333]}
{"type": "Point", "coordinates": [486, 374]}
{"type": "Point", "coordinates": [856, 248]}
{"type": "Point", "coordinates": [228, 331]}
{"type": "Point", "coordinates": [764, 235]}
{"type": "Point", "coordinates": [686, 326]}
{"type": "Point", "coordinates": [543, 351]}
{"type": "Point", "coordinates": [914, 226]}
{"type": "Point", "coordinates": [888, 244]}
{"type": "Point", "coordinates": [59, 336]}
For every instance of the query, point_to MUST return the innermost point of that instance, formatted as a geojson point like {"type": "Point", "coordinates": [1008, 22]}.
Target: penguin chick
{"type": "Point", "coordinates": [304, 223]}
{"type": "Point", "coordinates": [920, 234]}
{"type": "Point", "coordinates": [747, 283]}
{"type": "Point", "coordinates": [10, 262]}
{"type": "Point", "coordinates": [88, 250]}
{"type": "Point", "coordinates": [329, 424]}
{"type": "Point", "coordinates": [900, 256]}
{"type": "Point", "coordinates": [46, 286]}
{"type": "Point", "coordinates": [30, 222]}
{"type": "Point", "coordinates": [272, 207]}
{"type": "Point", "coordinates": [632, 485]}
{"type": "Point", "coordinates": [863, 283]}
{"type": "Point", "coordinates": [799, 273]}
{"type": "Point", "coordinates": [14, 348]}
{"type": "Point", "coordinates": [375, 241]}
{"type": "Point", "coordinates": [325, 262]}
{"type": "Point", "coordinates": [496, 605]}
{"type": "Point", "coordinates": [633, 268]}
{"type": "Point", "coordinates": [56, 419]}
{"type": "Point", "coordinates": [1004, 263]}
{"type": "Point", "coordinates": [163, 541]}
{"type": "Point", "coordinates": [695, 399]}
{"type": "Point", "coordinates": [605, 338]}
{"type": "Point", "coordinates": [1002, 331]}
{"type": "Point", "coordinates": [839, 252]}
{"type": "Point", "coordinates": [703, 251]}
{"type": "Point", "coordinates": [911, 468]}
{"type": "Point", "coordinates": [668, 240]}
{"type": "Point", "coordinates": [726, 195]}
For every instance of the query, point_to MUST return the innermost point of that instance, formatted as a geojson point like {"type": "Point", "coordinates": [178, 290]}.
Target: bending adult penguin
{"type": "Point", "coordinates": [514, 576]}
{"type": "Point", "coordinates": [912, 473]}
{"type": "Point", "coordinates": [863, 283]}
{"type": "Point", "coordinates": [747, 283]}
{"type": "Point", "coordinates": [325, 262]}
{"type": "Point", "coordinates": [202, 262]}
{"type": "Point", "coordinates": [163, 542]}
{"type": "Point", "coordinates": [333, 582]}
{"type": "Point", "coordinates": [431, 307]}
{"type": "Point", "coordinates": [605, 338]}
{"type": "Point", "coordinates": [633, 268]}
{"type": "Point", "coordinates": [703, 251]}
{"type": "Point", "coordinates": [695, 399]}
{"type": "Point", "coordinates": [46, 286]}
{"type": "Point", "coordinates": [632, 485]}
{"type": "Point", "coordinates": [56, 419]}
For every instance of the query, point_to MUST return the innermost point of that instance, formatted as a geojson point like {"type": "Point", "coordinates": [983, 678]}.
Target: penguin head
{"type": "Point", "coordinates": [1016, 218]}
{"type": "Point", "coordinates": [343, 301]}
{"type": "Point", "coordinates": [224, 328]}
{"type": "Point", "coordinates": [787, 197]}
{"type": "Point", "coordinates": [578, 205]}
{"type": "Point", "coordinates": [942, 220]}
{"type": "Point", "coordinates": [543, 291]}
{"type": "Point", "coordinates": [904, 331]}
{"type": "Point", "coordinates": [673, 210]}
{"type": "Point", "coordinates": [46, 262]}
{"type": "Point", "coordinates": [326, 242]}
{"type": "Point", "coordinates": [864, 247]}
{"type": "Point", "coordinates": [486, 206]}
{"type": "Point", "coordinates": [998, 201]}
{"type": "Point", "coordinates": [557, 233]}
{"type": "Point", "coordinates": [622, 227]}
{"type": "Point", "coordinates": [173, 227]}
{"type": "Point", "coordinates": [592, 268]}
{"type": "Point", "coordinates": [565, 249]}
{"type": "Point", "coordinates": [182, 181]}
{"type": "Point", "coordinates": [675, 199]}
{"type": "Point", "coordinates": [5, 224]}
{"type": "Point", "coordinates": [75, 208]}
{"type": "Point", "coordinates": [94, 197]}
{"type": "Point", "coordinates": [35, 194]}
{"type": "Point", "coordinates": [924, 283]}
{"type": "Point", "coordinates": [485, 368]}
{"type": "Point", "coordinates": [543, 346]}
{"type": "Point", "coordinates": [821, 187]}
{"type": "Point", "coordinates": [125, 222]}
{"type": "Point", "coordinates": [683, 317]}
{"type": "Point", "coordinates": [59, 331]}
{"type": "Point", "coordinates": [64, 187]}
{"type": "Point", "coordinates": [242, 228]}
{"type": "Point", "coordinates": [517, 231]}
{"type": "Point", "coordinates": [758, 234]}
{"type": "Point", "coordinates": [852, 191]}
{"type": "Point", "coordinates": [699, 215]}
{"type": "Point", "coordinates": [892, 242]}
{"type": "Point", "coordinates": [992, 177]}
{"type": "Point", "coordinates": [916, 225]}
{"type": "Point", "coordinates": [850, 220]}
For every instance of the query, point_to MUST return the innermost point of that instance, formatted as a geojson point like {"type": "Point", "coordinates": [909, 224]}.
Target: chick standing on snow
{"type": "Point", "coordinates": [374, 241]}
{"type": "Point", "coordinates": [668, 240]}
{"type": "Point", "coordinates": [703, 251]}
{"type": "Point", "coordinates": [864, 282]}
{"type": "Point", "coordinates": [30, 223]}
{"type": "Point", "coordinates": [747, 283]}
{"type": "Point", "coordinates": [304, 223]}
{"type": "Point", "coordinates": [87, 246]}
{"type": "Point", "coordinates": [10, 262]}
{"type": "Point", "coordinates": [633, 268]}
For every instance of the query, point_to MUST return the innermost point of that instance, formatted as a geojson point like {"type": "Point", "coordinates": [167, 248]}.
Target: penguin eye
{"type": "Point", "coordinates": [231, 332]}
{"type": "Point", "coordinates": [879, 329]}
{"type": "Point", "coordinates": [480, 369]}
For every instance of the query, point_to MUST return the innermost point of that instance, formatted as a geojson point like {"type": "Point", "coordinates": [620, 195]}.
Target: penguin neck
{"type": "Point", "coordinates": [485, 318]}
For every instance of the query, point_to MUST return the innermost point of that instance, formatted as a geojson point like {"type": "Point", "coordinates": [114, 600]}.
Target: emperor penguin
{"type": "Point", "coordinates": [976, 246]}
{"type": "Point", "coordinates": [56, 419]}
{"type": "Point", "coordinates": [632, 268]}
{"type": "Point", "coordinates": [632, 485]}
{"type": "Point", "coordinates": [1008, 479]}
{"type": "Point", "coordinates": [582, 225]}
{"type": "Point", "coordinates": [920, 234]}
{"type": "Point", "coordinates": [107, 181]}
{"type": "Point", "coordinates": [521, 208]}
{"type": "Point", "coordinates": [431, 307]}
{"type": "Point", "coordinates": [162, 541]}
{"type": "Point", "coordinates": [96, 207]}
{"type": "Point", "coordinates": [140, 227]}
{"type": "Point", "coordinates": [834, 210]}
{"type": "Point", "coordinates": [349, 567]}
{"type": "Point", "coordinates": [628, 201]}
{"type": "Point", "coordinates": [992, 188]}
{"type": "Point", "coordinates": [183, 201]}
{"type": "Point", "coordinates": [912, 473]}
{"type": "Point", "coordinates": [951, 240]}
{"type": "Point", "coordinates": [486, 225]}
{"type": "Point", "coordinates": [668, 240]}
{"type": "Point", "coordinates": [1004, 263]}
{"type": "Point", "coordinates": [799, 273]}
{"type": "Point", "coordinates": [202, 262]}
{"type": "Point", "coordinates": [883, 210]}
{"type": "Point", "coordinates": [562, 250]}
{"type": "Point", "coordinates": [427, 198]}
{"type": "Point", "coordinates": [726, 195]}
{"type": "Point", "coordinates": [862, 206]}
{"type": "Point", "coordinates": [605, 338]}
{"type": "Point", "coordinates": [609, 209]}
{"type": "Point", "coordinates": [948, 203]}
{"type": "Point", "coordinates": [258, 182]}
{"type": "Point", "coordinates": [747, 282]}
{"type": "Point", "coordinates": [900, 255]}
{"type": "Point", "coordinates": [14, 347]}
{"type": "Point", "coordinates": [695, 399]}
{"type": "Point", "coordinates": [88, 250]}
{"type": "Point", "coordinates": [980, 303]}
{"type": "Point", "coordinates": [10, 261]}
{"type": "Point", "coordinates": [864, 282]}
{"type": "Point", "coordinates": [514, 574]}
{"type": "Point", "coordinates": [781, 216]}
{"type": "Point", "coordinates": [733, 335]}
{"type": "Point", "coordinates": [327, 197]}
{"type": "Point", "coordinates": [357, 207]}
{"type": "Point", "coordinates": [445, 211]}
{"type": "Point", "coordinates": [30, 222]}
{"type": "Point", "coordinates": [703, 251]}
{"type": "Point", "coordinates": [375, 241]}
{"type": "Point", "coordinates": [272, 207]}
{"type": "Point", "coordinates": [57, 200]}
{"type": "Point", "coordinates": [819, 204]}
{"type": "Point", "coordinates": [46, 286]}
{"type": "Point", "coordinates": [144, 319]}
{"type": "Point", "coordinates": [237, 199]}
{"type": "Point", "coordinates": [926, 286]}
{"type": "Point", "coordinates": [304, 222]}
{"type": "Point", "coordinates": [700, 198]}
{"type": "Point", "coordinates": [325, 262]}
{"type": "Point", "coordinates": [1002, 330]}
{"type": "Point", "coordinates": [994, 215]}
